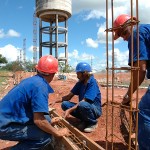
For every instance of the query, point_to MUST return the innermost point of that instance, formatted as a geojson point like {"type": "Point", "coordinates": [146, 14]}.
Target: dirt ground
{"type": "Point", "coordinates": [62, 87]}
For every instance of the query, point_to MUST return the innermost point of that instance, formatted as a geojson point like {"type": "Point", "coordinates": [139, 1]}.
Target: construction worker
{"type": "Point", "coordinates": [88, 109]}
{"type": "Point", "coordinates": [24, 114]}
{"type": "Point", "coordinates": [123, 28]}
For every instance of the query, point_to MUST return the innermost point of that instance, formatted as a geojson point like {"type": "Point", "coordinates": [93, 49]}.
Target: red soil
{"type": "Point", "coordinates": [62, 87]}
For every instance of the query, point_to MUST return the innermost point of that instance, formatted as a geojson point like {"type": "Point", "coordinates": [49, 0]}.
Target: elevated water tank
{"type": "Point", "coordinates": [47, 9]}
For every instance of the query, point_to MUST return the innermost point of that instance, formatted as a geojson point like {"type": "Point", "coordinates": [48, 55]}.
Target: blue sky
{"type": "Point", "coordinates": [86, 36]}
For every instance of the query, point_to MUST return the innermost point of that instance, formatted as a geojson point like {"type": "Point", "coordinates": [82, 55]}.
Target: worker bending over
{"type": "Point", "coordinates": [124, 26]}
{"type": "Point", "coordinates": [24, 114]}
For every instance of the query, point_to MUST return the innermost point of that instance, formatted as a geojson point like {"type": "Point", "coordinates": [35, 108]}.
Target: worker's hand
{"type": "Point", "coordinates": [54, 102]}
{"type": "Point", "coordinates": [63, 132]}
{"type": "Point", "coordinates": [65, 98]}
{"type": "Point", "coordinates": [67, 113]}
{"type": "Point", "coordinates": [55, 120]}
{"type": "Point", "coordinates": [126, 100]}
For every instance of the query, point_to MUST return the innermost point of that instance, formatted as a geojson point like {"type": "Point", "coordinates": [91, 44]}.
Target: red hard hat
{"type": "Point", "coordinates": [47, 64]}
{"type": "Point", "coordinates": [120, 20]}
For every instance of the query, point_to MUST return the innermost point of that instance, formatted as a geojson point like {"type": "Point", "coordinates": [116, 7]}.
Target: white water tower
{"type": "Point", "coordinates": [53, 26]}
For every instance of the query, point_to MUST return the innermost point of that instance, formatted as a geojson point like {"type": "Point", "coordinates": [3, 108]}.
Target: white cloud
{"type": "Point", "coordinates": [96, 9]}
{"type": "Point", "coordinates": [101, 35]}
{"type": "Point", "coordinates": [74, 54]}
{"type": "Point", "coordinates": [10, 33]}
{"type": "Point", "coordinates": [31, 48]}
{"type": "Point", "coordinates": [79, 58]}
{"type": "Point", "coordinates": [71, 56]}
{"type": "Point", "coordinates": [120, 58]}
{"type": "Point", "coordinates": [10, 52]}
{"type": "Point", "coordinates": [82, 5]}
{"type": "Point", "coordinates": [2, 34]}
{"type": "Point", "coordinates": [94, 14]}
{"type": "Point", "coordinates": [91, 43]}
{"type": "Point", "coordinates": [86, 56]}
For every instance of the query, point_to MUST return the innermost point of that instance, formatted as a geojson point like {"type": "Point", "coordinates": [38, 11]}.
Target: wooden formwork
{"type": "Point", "coordinates": [77, 140]}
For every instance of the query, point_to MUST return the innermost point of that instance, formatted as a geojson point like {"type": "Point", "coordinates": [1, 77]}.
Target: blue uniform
{"type": "Point", "coordinates": [144, 46]}
{"type": "Point", "coordinates": [144, 43]}
{"type": "Point", "coordinates": [17, 109]}
{"type": "Point", "coordinates": [144, 122]}
{"type": "Point", "coordinates": [144, 105]}
{"type": "Point", "coordinates": [89, 110]}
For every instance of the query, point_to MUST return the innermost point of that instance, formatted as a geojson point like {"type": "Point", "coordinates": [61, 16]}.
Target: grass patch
{"type": "Point", "coordinates": [2, 79]}
{"type": "Point", "coordinates": [4, 75]}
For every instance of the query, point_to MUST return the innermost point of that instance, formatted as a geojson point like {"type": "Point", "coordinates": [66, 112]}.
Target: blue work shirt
{"type": "Point", "coordinates": [144, 122]}
{"type": "Point", "coordinates": [90, 91]}
{"type": "Point", "coordinates": [144, 43]}
{"type": "Point", "coordinates": [30, 96]}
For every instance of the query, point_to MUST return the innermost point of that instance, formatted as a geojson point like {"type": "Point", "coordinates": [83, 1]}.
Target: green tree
{"type": "Point", "coordinates": [3, 60]}
{"type": "Point", "coordinates": [29, 66]}
{"type": "Point", "coordinates": [19, 66]}
{"type": "Point", "coordinates": [13, 66]}
{"type": "Point", "coordinates": [65, 68]}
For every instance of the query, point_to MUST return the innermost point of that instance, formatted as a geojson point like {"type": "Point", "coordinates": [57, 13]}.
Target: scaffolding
{"type": "Point", "coordinates": [34, 38]}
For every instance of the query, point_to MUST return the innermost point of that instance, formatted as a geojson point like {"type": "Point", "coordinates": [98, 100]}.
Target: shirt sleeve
{"type": "Point", "coordinates": [39, 100]}
{"type": "Point", "coordinates": [143, 54]}
{"type": "Point", "coordinates": [76, 89]}
{"type": "Point", "coordinates": [91, 91]}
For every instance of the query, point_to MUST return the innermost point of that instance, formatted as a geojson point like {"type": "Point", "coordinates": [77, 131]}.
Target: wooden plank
{"type": "Point", "coordinates": [84, 139]}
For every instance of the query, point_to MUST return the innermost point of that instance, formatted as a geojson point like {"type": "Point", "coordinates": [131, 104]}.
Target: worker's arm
{"type": "Point", "coordinates": [142, 72]}
{"type": "Point", "coordinates": [67, 97]}
{"type": "Point", "coordinates": [44, 125]}
{"type": "Point", "coordinates": [68, 111]}
{"type": "Point", "coordinates": [53, 102]}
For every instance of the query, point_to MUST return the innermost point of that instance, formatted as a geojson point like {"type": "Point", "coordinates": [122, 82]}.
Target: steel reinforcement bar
{"type": "Point", "coordinates": [76, 140]}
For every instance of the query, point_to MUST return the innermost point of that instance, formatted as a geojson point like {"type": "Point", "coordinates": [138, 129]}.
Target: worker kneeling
{"type": "Point", "coordinates": [24, 115]}
{"type": "Point", "coordinates": [88, 108]}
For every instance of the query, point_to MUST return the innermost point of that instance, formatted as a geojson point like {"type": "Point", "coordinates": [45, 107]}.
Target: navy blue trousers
{"type": "Point", "coordinates": [85, 111]}
{"type": "Point", "coordinates": [144, 122]}
{"type": "Point", "coordinates": [29, 137]}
